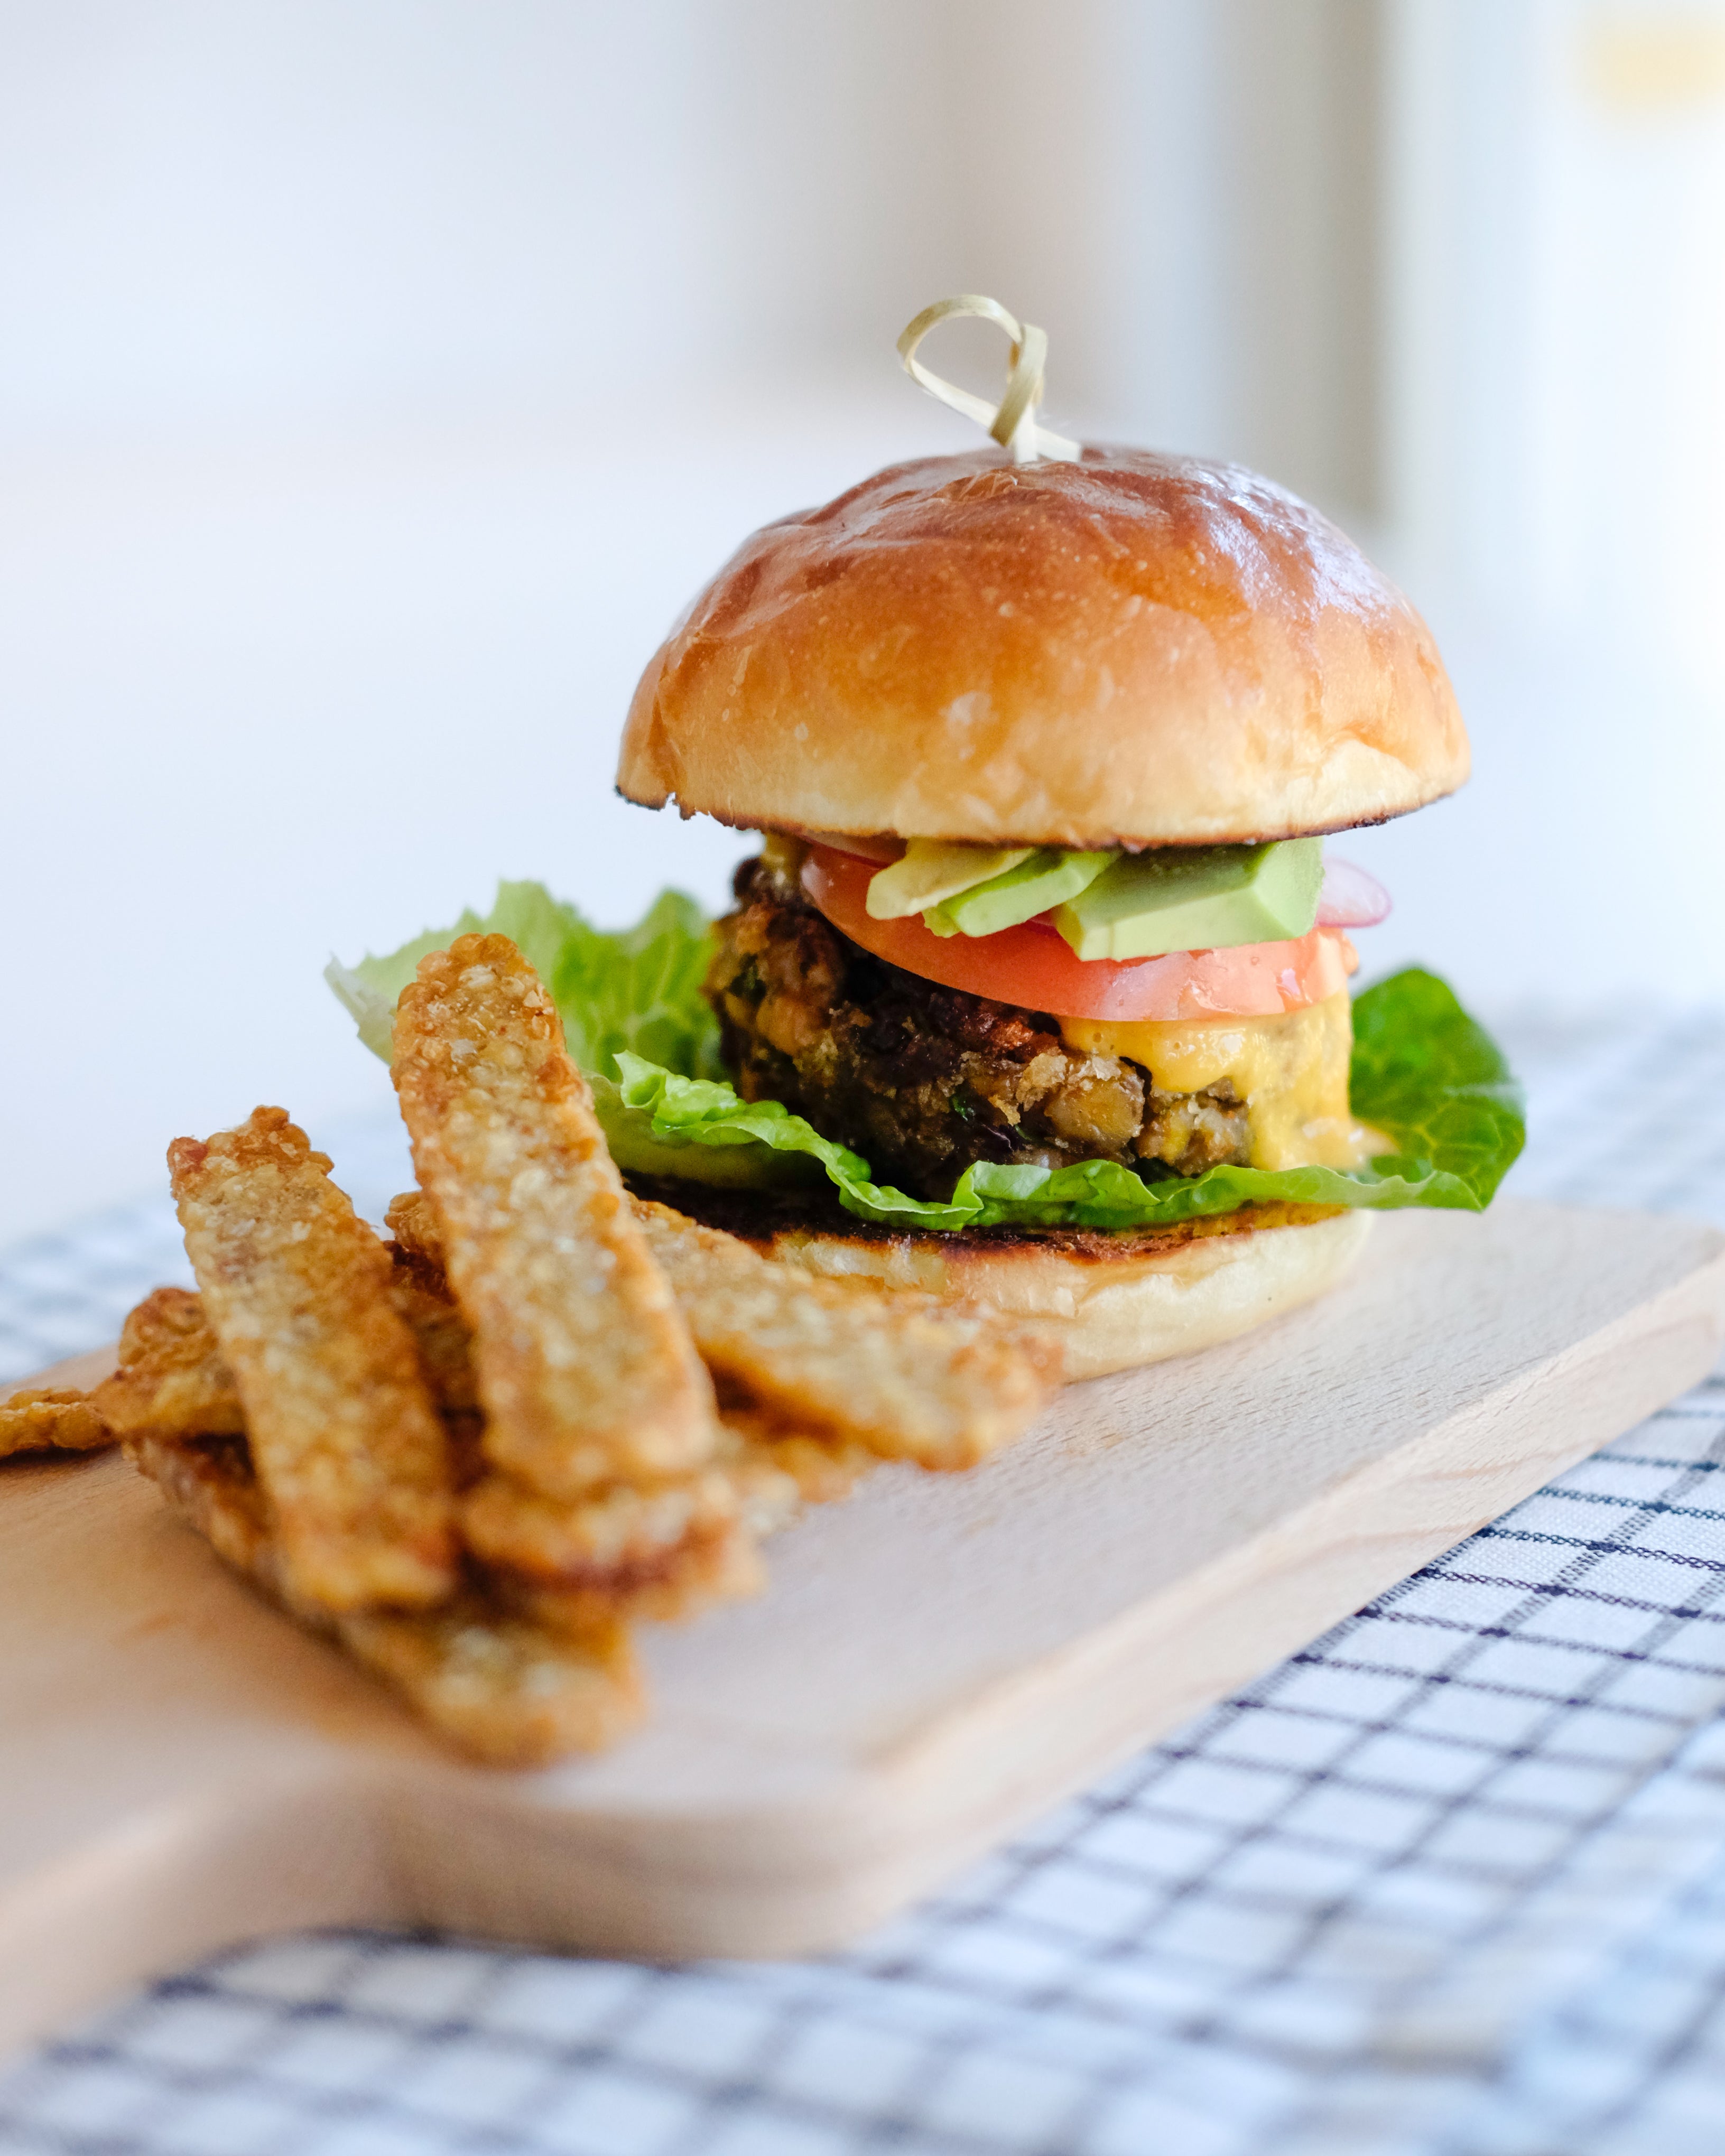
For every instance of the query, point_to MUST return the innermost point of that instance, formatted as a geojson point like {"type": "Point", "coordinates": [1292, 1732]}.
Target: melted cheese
{"type": "Point", "coordinates": [1290, 1070]}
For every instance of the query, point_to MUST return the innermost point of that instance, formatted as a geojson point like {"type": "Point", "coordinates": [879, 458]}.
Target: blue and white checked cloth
{"type": "Point", "coordinates": [1451, 1881]}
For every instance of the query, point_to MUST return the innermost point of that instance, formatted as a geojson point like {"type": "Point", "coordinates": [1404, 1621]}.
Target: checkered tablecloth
{"type": "Point", "coordinates": [1452, 1881]}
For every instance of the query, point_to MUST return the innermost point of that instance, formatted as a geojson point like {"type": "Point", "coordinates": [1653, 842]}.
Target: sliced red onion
{"type": "Point", "coordinates": [1350, 898]}
{"type": "Point", "coordinates": [882, 852]}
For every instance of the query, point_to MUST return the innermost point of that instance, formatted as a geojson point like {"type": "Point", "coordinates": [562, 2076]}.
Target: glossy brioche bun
{"type": "Point", "coordinates": [1110, 1305]}
{"type": "Point", "coordinates": [1130, 650]}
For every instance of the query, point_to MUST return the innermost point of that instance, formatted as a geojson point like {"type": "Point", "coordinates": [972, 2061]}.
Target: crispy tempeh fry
{"type": "Point", "coordinates": [172, 1379]}
{"type": "Point", "coordinates": [909, 1377]}
{"type": "Point", "coordinates": [647, 1548]}
{"type": "Point", "coordinates": [209, 1483]}
{"type": "Point", "coordinates": [774, 1473]}
{"type": "Point", "coordinates": [51, 1419]}
{"type": "Point", "coordinates": [775, 1466]}
{"type": "Point", "coordinates": [410, 1220]}
{"type": "Point", "coordinates": [612, 1534]}
{"type": "Point", "coordinates": [633, 1549]}
{"type": "Point", "coordinates": [511, 1692]}
{"type": "Point", "coordinates": [815, 1470]}
{"type": "Point", "coordinates": [346, 1443]}
{"type": "Point", "coordinates": [172, 1376]}
{"type": "Point", "coordinates": [584, 1366]}
{"type": "Point", "coordinates": [904, 1375]}
{"type": "Point", "coordinates": [722, 1568]}
{"type": "Point", "coordinates": [442, 1335]}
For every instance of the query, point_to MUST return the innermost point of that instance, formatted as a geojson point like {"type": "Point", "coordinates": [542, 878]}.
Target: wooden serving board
{"type": "Point", "coordinates": [937, 1660]}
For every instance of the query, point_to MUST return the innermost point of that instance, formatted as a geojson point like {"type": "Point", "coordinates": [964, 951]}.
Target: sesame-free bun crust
{"type": "Point", "coordinates": [1114, 1311]}
{"type": "Point", "coordinates": [1113, 1299]}
{"type": "Point", "coordinates": [1129, 649]}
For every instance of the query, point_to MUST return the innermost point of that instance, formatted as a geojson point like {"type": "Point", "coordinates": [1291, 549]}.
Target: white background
{"type": "Point", "coordinates": [377, 380]}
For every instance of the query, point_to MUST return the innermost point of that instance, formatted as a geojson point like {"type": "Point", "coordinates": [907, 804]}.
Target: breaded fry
{"type": "Point", "coordinates": [511, 1692]}
{"type": "Point", "coordinates": [585, 1370]}
{"type": "Point", "coordinates": [665, 1553]}
{"type": "Point", "coordinates": [409, 1220]}
{"type": "Point", "coordinates": [209, 1483]}
{"type": "Point", "coordinates": [907, 1377]}
{"type": "Point", "coordinates": [775, 1467]}
{"type": "Point", "coordinates": [816, 1470]}
{"type": "Point", "coordinates": [722, 1568]}
{"type": "Point", "coordinates": [633, 1550]}
{"type": "Point", "coordinates": [345, 1441]}
{"type": "Point", "coordinates": [51, 1419]}
{"type": "Point", "coordinates": [628, 1530]}
{"type": "Point", "coordinates": [172, 1376]}
{"type": "Point", "coordinates": [649, 1549]}
{"type": "Point", "coordinates": [442, 1335]}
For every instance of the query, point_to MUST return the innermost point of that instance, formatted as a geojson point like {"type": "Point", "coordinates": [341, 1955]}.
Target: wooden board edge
{"type": "Point", "coordinates": [811, 1878]}
{"type": "Point", "coordinates": [974, 1765]}
{"type": "Point", "coordinates": [766, 1884]}
{"type": "Point", "coordinates": [950, 1791]}
{"type": "Point", "coordinates": [299, 1853]}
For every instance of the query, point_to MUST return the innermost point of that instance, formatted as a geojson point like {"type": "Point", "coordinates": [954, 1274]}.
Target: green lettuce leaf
{"type": "Point", "coordinates": [631, 991]}
{"type": "Point", "coordinates": [636, 988]}
{"type": "Point", "coordinates": [697, 1114]}
{"type": "Point", "coordinates": [1424, 1073]}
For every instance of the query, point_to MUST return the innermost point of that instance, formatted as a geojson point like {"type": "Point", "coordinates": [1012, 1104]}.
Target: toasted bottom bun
{"type": "Point", "coordinates": [1112, 1299]}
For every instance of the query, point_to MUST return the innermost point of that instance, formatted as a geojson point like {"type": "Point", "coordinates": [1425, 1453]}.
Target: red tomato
{"type": "Point", "coordinates": [1036, 968]}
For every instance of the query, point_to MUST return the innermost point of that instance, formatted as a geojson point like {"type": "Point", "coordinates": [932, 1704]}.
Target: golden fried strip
{"type": "Point", "coordinates": [442, 1335]}
{"type": "Point", "coordinates": [654, 1549]}
{"type": "Point", "coordinates": [777, 1469]}
{"type": "Point", "coordinates": [722, 1568]}
{"type": "Point", "coordinates": [632, 1549]}
{"type": "Point", "coordinates": [613, 1533]}
{"type": "Point", "coordinates": [899, 1373]}
{"type": "Point", "coordinates": [409, 1220]}
{"type": "Point", "coordinates": [774, 1471]}
{"type": "Point", "coordinates": [172, 1376]}
{"type": "Point", "coordinates": [345, 1439]}
{"type": "Point", "coordinates": [907, 1377]}
{"type": "Point", "coordinates": [585, 1370]}
{"type": "Point", "coordinates": [209, 1483]}
{"type": "Point", "coordinates": [51, 1419]}
{"type": "Point", "coordinates": [511, 1692]}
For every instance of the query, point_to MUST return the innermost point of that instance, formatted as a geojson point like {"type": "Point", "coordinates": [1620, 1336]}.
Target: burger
{"type": "Point", "coordinates": [1035, 992]}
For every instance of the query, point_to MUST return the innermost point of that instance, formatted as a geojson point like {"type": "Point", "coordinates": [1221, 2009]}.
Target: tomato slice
{"type": "Point", "coordinates": [1036, 968]}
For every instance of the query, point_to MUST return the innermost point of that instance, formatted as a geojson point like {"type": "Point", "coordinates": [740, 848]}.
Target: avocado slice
{"type": "Point", "coordinates": [932, 870]}
{"type": "Point", "coordinates": [1201, 898]}
{"type": "Point", "coordinates": [1051, 875]}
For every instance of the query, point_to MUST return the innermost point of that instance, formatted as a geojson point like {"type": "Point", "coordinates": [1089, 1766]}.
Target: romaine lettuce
{"type": "Point", "coordinates": [1424, 1073]}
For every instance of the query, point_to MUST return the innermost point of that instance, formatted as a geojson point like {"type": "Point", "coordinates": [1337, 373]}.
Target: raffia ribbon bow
{"type": "Point", "coordinates": [1013, 421]}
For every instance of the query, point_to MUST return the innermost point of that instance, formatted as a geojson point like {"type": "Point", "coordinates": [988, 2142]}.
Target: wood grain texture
{"type": "Point", "coordinates": [936, 1660]}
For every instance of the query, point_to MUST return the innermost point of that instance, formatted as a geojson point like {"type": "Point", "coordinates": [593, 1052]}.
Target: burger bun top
{"type": "Point", "coordinates": [1127, 649]}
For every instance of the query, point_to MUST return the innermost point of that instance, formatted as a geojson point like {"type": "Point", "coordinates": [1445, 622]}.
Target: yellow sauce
{"type": "Point", "coordinates": [1290, 1070]}
{"type": "Point", "coordinates": [784, 856]}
